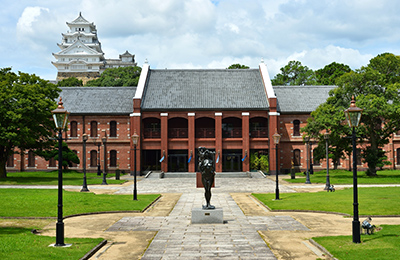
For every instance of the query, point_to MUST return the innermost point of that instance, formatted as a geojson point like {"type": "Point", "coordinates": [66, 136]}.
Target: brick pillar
{"type": "Point", "coordinates": [192, 141]}
{"type": "Point", "coordinates": [164, 141]}
{"type": "Point", "coordinates": [273, 127]}
{"type": "Point", "coordinates": [218, 141]}
{"type": "Point", "coordinates": [246, 141]}
{"type": "Point", "coordinates": [135, 125]}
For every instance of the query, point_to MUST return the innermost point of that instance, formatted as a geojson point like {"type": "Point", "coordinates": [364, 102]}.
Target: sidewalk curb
{"type": "Point", "coordinates": [94, 250]}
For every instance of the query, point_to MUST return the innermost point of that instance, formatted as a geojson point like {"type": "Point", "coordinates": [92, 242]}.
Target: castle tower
{"type": "Point", "coordinates": [81, 55]}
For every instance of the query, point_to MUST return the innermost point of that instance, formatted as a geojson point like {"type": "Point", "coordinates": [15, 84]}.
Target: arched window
{"type": "Point", "coordinates": [31, 159]}
{"type": "Point", "coordinates": [10, 161]}
{"type": "Point", "coordinates": [74, 129]}
{"type": "Point", "coordinates": [398, 156]}
{"type": "Point", "coordinates": [113, 158]}
{"type": "Point", "coordinates": [74, 164]}
{"type": "Point", "coordinates": [93, 158]}
{"type": "Point", "coordinates": [113, 129]}
{"type": "Point", "coordinates": [93, 129]}
{"type": "Point", "coordinates": [359, 156]}
{"type": "Point", "coordinates": [52, 162]}
{"type": "Point", "coordinates": [296, 128]}
{"type": "Point", "coordinates": [296, 157]}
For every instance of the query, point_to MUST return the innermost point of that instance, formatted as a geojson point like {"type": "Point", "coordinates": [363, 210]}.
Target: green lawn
{"type": "Point", "coordinates": [382, 245]}
{"type": "Point", "coordinates": [51, 178]}
{"type": "Point", "coordinates": [21, 244]}
{"type": "Point", "coordinates": [346, 177]}
{"type": "Point", "coordinates": [372, 201]}
{"type": "Point", "coordinates": [43, 203]}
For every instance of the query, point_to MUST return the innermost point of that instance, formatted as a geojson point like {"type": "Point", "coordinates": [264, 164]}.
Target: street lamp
{"type": "Point", "coordinates": [328, 184]}
{"type": "Point", "coordinates": [307, 139]}
{"type": "Point", "coordinates": [60, 116]}
{"type": "Point", "coordinates": [276, 137]}
{"type": "Point", "coordinates": [135, 139]}
{"type": "Point", "coordinates": [84, 187]}
{"type": "Point", "coordinates": [104, 140]}
{"type": "Point", "coordinates": [353, 116]}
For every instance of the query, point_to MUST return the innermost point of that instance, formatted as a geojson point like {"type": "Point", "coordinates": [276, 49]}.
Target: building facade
{"type": "Point", "coordinates": [232, 112]}
{"type": "Point", "coordinates": [81, 55]}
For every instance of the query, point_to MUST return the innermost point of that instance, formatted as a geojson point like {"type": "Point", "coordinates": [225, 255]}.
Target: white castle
{"type": "Point", "coordinates": [81, 55]}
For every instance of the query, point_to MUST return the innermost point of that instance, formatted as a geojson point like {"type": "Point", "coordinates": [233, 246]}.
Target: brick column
{"type": "Point", "coordinates": [135, 125]}
{"type": "Point", "coordinates": [246, 141]}
{"type": "Point", "coordinates": [218, 141]}
{"type": "Point", "coordinates": [164, 141]}
{"type": "Point", "coordinates": [273, 127]}
{"type": "Point", "coordinates": [192, 141]}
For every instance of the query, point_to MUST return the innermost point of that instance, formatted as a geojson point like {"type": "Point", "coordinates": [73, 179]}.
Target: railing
{"type": "Point", "coordinates": [205, 133]}
{"type": "Point", "coordinates": [178, 133]}
{"type": "Point", "coordinates": [259, 132]}
{"type": "Point", "coordinates": [232, 132]}
{"type": "Point", "coordinates": [152, 133]}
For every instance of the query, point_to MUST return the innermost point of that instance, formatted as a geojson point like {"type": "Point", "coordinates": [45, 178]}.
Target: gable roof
{"type": "Point", "coordinates": [301, 99]}
{"type": "Point", "coordinates": [78, 45]}
{"type": "Point", "coordinates": [98, 100]}
{"type": "Point", "coordinates": [204, 90]}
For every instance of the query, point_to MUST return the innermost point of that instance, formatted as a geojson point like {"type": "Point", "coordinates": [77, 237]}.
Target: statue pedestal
{"type": "Point", "coordinates": [207, 216]}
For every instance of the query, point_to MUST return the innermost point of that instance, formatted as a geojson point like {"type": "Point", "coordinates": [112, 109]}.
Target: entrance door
{"type": "Point", "coordinates": [177, 161]}
{"type": "Point", "coordinates": [231, 160]}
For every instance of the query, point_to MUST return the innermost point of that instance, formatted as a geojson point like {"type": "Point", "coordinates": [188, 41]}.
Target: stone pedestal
{"type": "Point", "coordinates": [207, 216]}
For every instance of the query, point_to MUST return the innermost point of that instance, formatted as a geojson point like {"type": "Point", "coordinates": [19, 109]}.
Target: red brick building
{"type": "Point", "coordinates": [233, 112]}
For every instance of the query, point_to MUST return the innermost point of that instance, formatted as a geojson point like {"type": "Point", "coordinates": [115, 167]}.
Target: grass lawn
{"type": "Point", "coordinates": [43, 203]}
{"type": "Point", "coordinates": [384, 244]}
{"type": "Point", "coordinates": [372, 201]}
{"type": "Point", "coordinates": [21, 244]}
{"type": "Point", "coordinates": [346, 177]}
{"type": "Point", "coordinates": [51, 178]}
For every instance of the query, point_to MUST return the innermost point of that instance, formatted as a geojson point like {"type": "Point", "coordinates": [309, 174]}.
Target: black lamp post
{"type": "Point", "coordinates": [276, 137]}
{"type": "Point", "coordinates": [135, 139]}
{"type": "Point", "coordinates": [84, 186]}
{"type": "Point", "coordinates": [307, 139]}
{"type": "Point", "coordinates": [353, 116]}
{"type": "Point", "coordinates": [60, 116]}
{"type": "Point", "coordinates": [104, 140]}
{"type": "Point", "coordinates": [328, 183]}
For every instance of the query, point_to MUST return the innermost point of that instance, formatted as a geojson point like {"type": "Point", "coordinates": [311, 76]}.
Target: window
{"type": "Point", "coordinates": [10, 161]}
{"type": "Point", "coordinates": [113, 158]}
{"type": "Point", "coordinates": [359, 156]}
{"type": "Point", "coordinates": [52, 162]}
{"type": "Point", "coordinates": [296, 128]}
{"type": "Point", "coordinates": [93, 129]}
{"type": "Point", "coordinates": [398, 156]}
{"type": "Point", "coordinates": [74, 129]}
{"type": "Point", "coordinates": [113, 129]}
{"type": "Point", "coordinates": [31, 159]}
{"type": "Point", "coordinates": [74, 164]}
{"type": "Point", "coordinates": [296, 157]}
{"type": "Point", "coordinates": [93, 158]}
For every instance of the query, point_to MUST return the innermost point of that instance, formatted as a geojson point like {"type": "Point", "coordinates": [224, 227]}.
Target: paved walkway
{"type": "Point", "coordinates": [179, 239]}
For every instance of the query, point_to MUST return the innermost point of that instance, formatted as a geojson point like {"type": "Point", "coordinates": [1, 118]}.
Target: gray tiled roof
{"type": "Point", "coordinates": [98, 100]}
{"type": "Point", "coordinates": [301, 99]}
{"type": "Point", "coordinates": [204, 90]}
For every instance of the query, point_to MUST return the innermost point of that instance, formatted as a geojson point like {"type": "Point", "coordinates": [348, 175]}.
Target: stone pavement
{"type": "Point", "coordinates": [179, 239]}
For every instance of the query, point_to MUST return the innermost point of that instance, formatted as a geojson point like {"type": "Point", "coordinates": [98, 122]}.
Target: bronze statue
{"type": "Point", "coordinates": [206, 167]}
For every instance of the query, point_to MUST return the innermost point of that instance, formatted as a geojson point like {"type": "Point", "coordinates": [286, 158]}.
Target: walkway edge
{"type": "Point", "coordinates": [94, 250]}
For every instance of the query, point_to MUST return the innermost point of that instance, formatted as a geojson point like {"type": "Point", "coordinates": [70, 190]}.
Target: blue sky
{"type": "Point", "coordinates": [204, 33]}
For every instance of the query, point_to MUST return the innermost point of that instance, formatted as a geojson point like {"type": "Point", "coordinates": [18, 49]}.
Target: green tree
{"type": "Point", "coordinates": [294, 73]}
{"type": "Point", "coordinates": [25, 123]}
{"type": "Point", "coordinates": [328, 118]}
{"type": "Point", "coordinates": [331, 72]}
{"type": "Point", "coordinates": [70, 82]}
{"type": "Point", "coordinates": [68, 156]}
{"type": "Point", "coordinates": [376, 87]}
{"type": "Point", "coordinates": [238, 66]}
{"type": "Point", "coordinates": [124, 76]}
